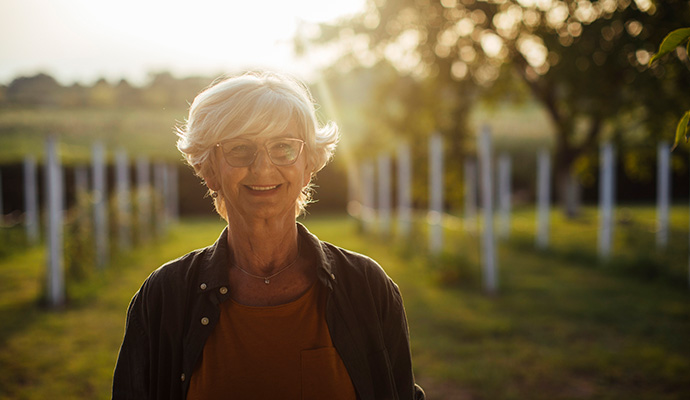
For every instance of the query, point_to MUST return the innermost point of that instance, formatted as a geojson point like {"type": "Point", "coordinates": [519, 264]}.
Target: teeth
{"type": "Point", "coordinates": [263, 187]}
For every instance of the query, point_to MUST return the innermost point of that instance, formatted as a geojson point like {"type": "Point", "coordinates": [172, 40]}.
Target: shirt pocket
{"type": "Point", "coordinates": [324, 375]}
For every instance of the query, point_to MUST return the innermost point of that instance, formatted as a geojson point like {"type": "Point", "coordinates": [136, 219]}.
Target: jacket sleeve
{"type": "Point", "coordinates": [397, 341]}
{"type": "Point", "coordinates": [131, 376]}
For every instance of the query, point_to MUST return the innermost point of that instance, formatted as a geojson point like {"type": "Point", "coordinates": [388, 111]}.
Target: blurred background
{"type": "Point", "coordinates": [583, 290]}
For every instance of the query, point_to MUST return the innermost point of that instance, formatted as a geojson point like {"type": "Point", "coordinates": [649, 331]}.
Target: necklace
{"type": "Point", "coordinates": [267, 279]}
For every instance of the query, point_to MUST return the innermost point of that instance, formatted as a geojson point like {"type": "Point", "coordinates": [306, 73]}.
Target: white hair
{"type": "Point", "coordinates": [258, 103]}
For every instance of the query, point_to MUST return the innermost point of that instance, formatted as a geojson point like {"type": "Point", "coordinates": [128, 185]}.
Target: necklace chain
{"type": "Point", "coordinates": [267, 279]}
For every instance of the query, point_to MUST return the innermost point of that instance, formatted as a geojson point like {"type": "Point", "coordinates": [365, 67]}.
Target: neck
{"type": "Point", "coordinates": [264, 246]}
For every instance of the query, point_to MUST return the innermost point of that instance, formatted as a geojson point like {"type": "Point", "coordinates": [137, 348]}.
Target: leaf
{"type": "Point", "coordinates": [670, 42]}
{"type": "Point", "coordinates": [683, 129]}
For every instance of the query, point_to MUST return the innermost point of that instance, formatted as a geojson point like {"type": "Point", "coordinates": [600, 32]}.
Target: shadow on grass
{"type": "Point", "coordinates": [640, 262]}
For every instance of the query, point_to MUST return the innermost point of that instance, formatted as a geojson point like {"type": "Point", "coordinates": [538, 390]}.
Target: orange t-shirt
{"type": "Point", "coordinates": [277, 352]}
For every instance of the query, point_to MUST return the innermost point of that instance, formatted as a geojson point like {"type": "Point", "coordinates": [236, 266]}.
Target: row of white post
{"type": "Point", "coordinates": [372, 210]}
{"type": "Point", "coordinates": [165, 182]}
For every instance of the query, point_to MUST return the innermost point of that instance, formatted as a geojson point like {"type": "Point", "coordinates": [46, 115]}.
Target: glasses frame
{"type": "Point", "coordinates": [265, 146]}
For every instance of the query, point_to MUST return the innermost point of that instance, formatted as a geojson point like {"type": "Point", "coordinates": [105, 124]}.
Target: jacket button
{"type": "Point", "coordinates": [182, 377]}
{"type": "Point", "coordinates": [223, 290]}
{"type": "Point", "coordinates": [333, 276]}
{"type": "Point", "coordinates": [204, 321]}
{"type": "Point", "coordinates": [203, 286]}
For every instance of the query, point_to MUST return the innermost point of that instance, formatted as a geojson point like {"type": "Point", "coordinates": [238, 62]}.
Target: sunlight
{"type": "Point", "coordinates": [131, 38]}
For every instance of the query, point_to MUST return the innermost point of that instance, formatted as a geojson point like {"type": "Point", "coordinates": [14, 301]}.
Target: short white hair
{"type": "Point", "coordinates": [257, 103]}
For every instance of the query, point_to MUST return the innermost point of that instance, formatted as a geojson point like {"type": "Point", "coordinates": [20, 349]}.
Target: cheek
{"type": "Point", "coordinates": [306, 179]}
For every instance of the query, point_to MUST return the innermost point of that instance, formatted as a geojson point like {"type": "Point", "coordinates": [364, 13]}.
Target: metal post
{"type": "Point", "coordinates": [504, 194]}
{"type": "Point", "coordinates": [384, 186]}
{"type": "Point", "coordinates": [606, 200]}
{"type": "Point", "coordinates": [100, 209]}
{"type": "Point", "coordinates": [31, 200]}
{"type": "Point", "coordinates": [124, 203]}
{"type": "Point", "coordinates": [543, 198]}
{"type": "Point", "coordinates": [368, 203]}
{"type": "Point", "coordinates": [488, 241]}
{"type": "Point", "coordinates": [663, 194]}
{"type": "Point", "coordinates": [404, 190]}
{"type": "Point", "coordinates": [143, 199]}
{"type": "Point", "coordinates": [54, 237]}
{"type": "Point", "coordinates": [436, 193]}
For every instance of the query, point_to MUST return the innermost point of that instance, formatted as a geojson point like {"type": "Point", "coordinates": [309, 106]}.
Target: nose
{"type": "Point", "coordinates": [262, 161]}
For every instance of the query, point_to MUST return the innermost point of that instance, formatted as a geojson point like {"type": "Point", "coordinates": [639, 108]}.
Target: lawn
{"type": "Point", "coordinates": [562, 326]}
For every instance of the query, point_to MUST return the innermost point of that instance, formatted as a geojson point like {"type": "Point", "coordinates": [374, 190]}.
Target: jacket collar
{"type": "Point", "coordinates": [214, 267]}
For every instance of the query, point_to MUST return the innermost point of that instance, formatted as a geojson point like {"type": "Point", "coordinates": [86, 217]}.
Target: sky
{"type": "Point", "coordinates": [84, 40]}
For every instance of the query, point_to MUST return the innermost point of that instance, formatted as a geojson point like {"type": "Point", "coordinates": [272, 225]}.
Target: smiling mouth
{"type": "Point", "coordinates": [262, 188]}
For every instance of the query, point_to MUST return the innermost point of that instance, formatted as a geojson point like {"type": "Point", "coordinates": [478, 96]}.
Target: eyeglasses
{"type": "Point", "coordinates": [242, 152]}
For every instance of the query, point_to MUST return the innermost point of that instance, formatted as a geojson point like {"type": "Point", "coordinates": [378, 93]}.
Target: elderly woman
{"type": "Point", "coordinates": [268, 311]}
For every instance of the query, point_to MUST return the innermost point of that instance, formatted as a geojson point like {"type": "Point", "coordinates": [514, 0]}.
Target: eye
{"type": "Point", "coordinates": [234, 148]}
{"type": "Point", "coordinates": [239, 148]}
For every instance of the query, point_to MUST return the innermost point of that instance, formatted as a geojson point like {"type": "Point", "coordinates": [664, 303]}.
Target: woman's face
{"type": "Point", "coordinates": [261, 190]}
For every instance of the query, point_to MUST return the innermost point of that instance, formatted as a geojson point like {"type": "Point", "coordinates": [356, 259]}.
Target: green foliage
{"type": "Point", "coordinates": [43, 91]}
{"type": "Point", "coordinates": [584, 62]}
{"type": "Point", "coordinates": [671, 41]}
{"type": "Point", "coordinates": [79, 250]}
{"type": "Point", "coordinates": [12, 240]}
{"type": "Point", "coordinates": [683, 129]}
{"type": "Point", "coordinates": [669, 44]}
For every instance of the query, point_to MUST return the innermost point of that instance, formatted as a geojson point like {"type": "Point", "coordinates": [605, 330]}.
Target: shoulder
{"type": "Point", "coordinates": [172, 278]}
{"type": "Point", "coordinates": [355, 269]}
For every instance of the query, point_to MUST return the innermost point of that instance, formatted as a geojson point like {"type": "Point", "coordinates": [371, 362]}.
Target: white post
{"type": "Point", "coordinates": [161, 186]}
{"type": "Point", "coordinates": [2, 207]}
{"type": "Point", "coordinates": [384, 186]}
{"type": "Point", "coordinates": [404, 190]}
{"type": "Point", "coordinates": [606, 200]}
{"type": "Point", "coordinates": [354, 197]}
{"type": "Point", "coordinates": [504, 193]}
{"type": "Point", "coordinates": [54, 238]}
{"type": "Point", "coordinates": [543, 198]}
{"type": "Point", "coordinates": [489, 267]}
{"type": "Point", "coordinates": [470, 173]}
{"type": "Point", "coordinates": [81, 181]}
{"type": "Point", "coordinates": [124, 206]}
{"type": "Point", "coordinates": [663, 194]}
{"type": "Point", "coordinates": [435, 193]}
{"type": "Point", "coordinates": [100, 209]}
{"type": "Point", "coordinates": [143, 198]}
{"type": "Point", "coordinates": [31, 200]}
{"type": "Point", "coordinates": [173, 194]}
{"type": "Point", "coordinates": [368, 203]}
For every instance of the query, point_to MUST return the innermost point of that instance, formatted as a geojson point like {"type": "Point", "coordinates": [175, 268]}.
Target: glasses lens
{"type": "Point", "coordinates": [284, 151]}
{"type": "Point", "coordinates": [239, 153]}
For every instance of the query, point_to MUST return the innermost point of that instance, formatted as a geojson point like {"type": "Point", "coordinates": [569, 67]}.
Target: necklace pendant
{"type": "Point", "coordinates": [267, 281]}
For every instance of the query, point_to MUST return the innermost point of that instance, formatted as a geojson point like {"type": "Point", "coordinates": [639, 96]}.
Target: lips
{"type": "Point", "coordinates": [262, 188]}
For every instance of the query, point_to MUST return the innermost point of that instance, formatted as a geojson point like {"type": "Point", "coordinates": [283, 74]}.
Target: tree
{"type": "Point", "coordinates": [38, 90]}
{"type": "Point", "coordinates": [584, 61]}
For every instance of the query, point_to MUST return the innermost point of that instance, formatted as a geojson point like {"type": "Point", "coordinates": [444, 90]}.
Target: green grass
{"type": "Point", "coordinates": [562, 325]}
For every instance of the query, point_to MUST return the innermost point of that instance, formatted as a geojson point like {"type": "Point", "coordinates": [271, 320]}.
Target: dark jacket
{"type": "Point", "coordinates": [175, 310]}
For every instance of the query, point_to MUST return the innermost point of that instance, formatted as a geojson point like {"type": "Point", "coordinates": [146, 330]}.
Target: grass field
{"type": "Point", "coordinates": [562, 326]}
